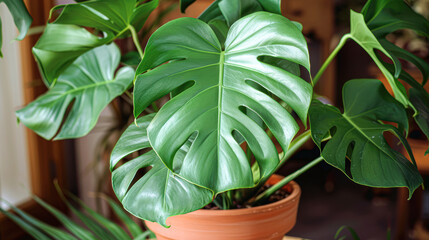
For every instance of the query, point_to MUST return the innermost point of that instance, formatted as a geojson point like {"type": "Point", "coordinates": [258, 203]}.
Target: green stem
{"type": "Point", "coordinates": [294, 146]}
{"type": "Point", "coordinates": [226, 201]}
{"type": "Point", "coordinates": [129, 95]}
{"type": "Point", "coordinates": [249, 154]}
{"type": "Point", "coordinates": [263, 196]}
{"type": "Point", "coordinates": [155, 107]}
{"type": "Point", "coordinates": [136, 40]}
{"type": "Point", "coordinates": [330, 58]}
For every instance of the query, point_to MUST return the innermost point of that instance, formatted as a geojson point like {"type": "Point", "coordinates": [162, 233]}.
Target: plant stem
{"type": "Point", "coordinates": [249, 154]}
{"type": "Point", "coordinates": [261, 197]}
{"type": "Point", "coordinates": [294, 146]}
{"type": "Point", "coordinates": [136, 40]}
{"type": "Point", "coordinates": [129, 95]}
{"type": "Point", "coordinates": [155, 107]}
{"type": "Point", "coordinates": [330, 58]}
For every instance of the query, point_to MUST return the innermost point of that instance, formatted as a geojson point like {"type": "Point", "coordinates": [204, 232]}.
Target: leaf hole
{"type": "Point", "coordinates": [182, 88]}
{"type": "Point", "coordinates": [347, 160]}
{"type": "Point", "coordinates": [281, 63]}
{"type": "Point", "coordinates": [333, 131]}
{"type": "Point", "coordinates": [181, 153]}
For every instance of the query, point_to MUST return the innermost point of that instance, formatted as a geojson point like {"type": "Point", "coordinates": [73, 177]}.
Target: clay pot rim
{"type": "Point", "coordinates": [296, 192]}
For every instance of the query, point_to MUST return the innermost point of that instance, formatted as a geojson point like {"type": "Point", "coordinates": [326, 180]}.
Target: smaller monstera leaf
{"type": "Point", "coordinates": [420, 98]}
{"type": "Point", "coordinates": [221, 87]}
{"type": "Point", "coordinates": [232, 10]}
{"type": "Point", "coordinates": [89, 83]}
{"type": "Point", "coordinates": [158, 194]}
{"type": "Point", "coordinates": [21, 17]}
{"type": "Point", "coordinates": [387, 16]}
{"type": "Point", "coordinates": [357, 136]}
{"type": "Point", "coordinates": [66, 39]}
{"type": "Point", "coordinates": [59, 46]}
{"type": "Point", "coordinates": [114, 16]}
{"type": "Point", "coordinates": [362, 35]}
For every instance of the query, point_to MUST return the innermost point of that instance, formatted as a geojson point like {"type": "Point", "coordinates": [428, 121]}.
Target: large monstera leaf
{"type": "Point", "coordinates": [66, 39]}
{"type": "Point", "coordinates": [160, 193]}
{"type": "Point", "coordinates": [357, 136]}
{"type": "Point", "coordinates": [21, 17]}
{"type": "Point", "coordinates": [386, 16]}
{"type": "Point", "coordinates": [89, 84]}
{"type": "Point", "coordinates": [220, 86]}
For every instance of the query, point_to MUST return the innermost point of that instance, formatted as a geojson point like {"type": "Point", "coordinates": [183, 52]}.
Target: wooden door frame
{"type": "Point", "coordinates": [46, 158]}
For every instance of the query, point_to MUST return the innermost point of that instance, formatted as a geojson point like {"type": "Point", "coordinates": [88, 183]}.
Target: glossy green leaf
{"type": "Point", "coordinates": [21, 17]}
{"type": "Point", "coordinates": [107, 15]}
{"type": "Point", "coordinates": [398, 52]}
{"type": "Point", "coordinates": [220, 28]}
{"type": "Point", "coordinates": [159, 194]}
{"type": "Point", "coordinates": [357, 136]}
{"type": "Point", "coordinates": [386, 16]}
{"type": "Point", "coordinates": [34, 232]}
{"type": "Point", "coordinates": [65, 40]}
{"type": "Point", "coordinates": [51, 231]}
{"type": "Point", "coordinates": [89, 84]}
{"type": "Point", "coordinates": [131, 59]}
{"type": "Point", "coordinates": [362, 35]}
{"type": "Point", "coordinates": [232, 10]}
{"type": "Point", "coordinates": [59, 46]}
{"type": "Point", "coordinates": [222, 84]}
{"type": "Point", "coordinates": [420, 98]}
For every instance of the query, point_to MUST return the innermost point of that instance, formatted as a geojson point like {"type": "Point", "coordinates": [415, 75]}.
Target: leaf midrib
{"type": "Point", "coordinates": [219, 111]}
{"type": "Point", "coordinates": [349, 120]}
{"type": "Point", "coordinates": [85, 87]}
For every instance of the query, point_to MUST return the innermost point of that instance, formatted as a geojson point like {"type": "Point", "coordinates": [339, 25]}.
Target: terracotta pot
{"type": "Point", "coordinates": [267, 222]}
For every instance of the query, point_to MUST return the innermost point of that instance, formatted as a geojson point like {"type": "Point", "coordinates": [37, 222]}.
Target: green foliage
{"type": "Point", "coordinates": [386, 16]}
{"type": "Point", "coordinates": [160, 193]}
{"type": "Point", "coordinates": [66, 39]}
{"type": "Point", "coordinates": [357, 136]}
{"type": "Point", "coordinates": [95, 226]}
{"type": "Point", "coordinates": [233, 76]}
{"type": "Point", "coordinates": [89, 85]}
{"type": "Point", "coordinates": [21, 17]}
{"type": "Point", "coordinates": [362, 35]}
{"type": "Point", "coordinates": [232, 10]}
{"type": "Point", "coordinates": [220, 83]}
{"type": "Point", "coordinates": [420, 99]}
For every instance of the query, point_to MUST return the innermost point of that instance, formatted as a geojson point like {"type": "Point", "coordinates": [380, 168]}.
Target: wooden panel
{"type": "Point", "coordinates": [317, 18]}
{"type": "Point", "coordinates": [46, 158]}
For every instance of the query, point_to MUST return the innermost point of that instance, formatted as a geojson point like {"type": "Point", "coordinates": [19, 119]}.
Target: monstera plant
{"type": "Point", "coordinates": [235, 95]}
